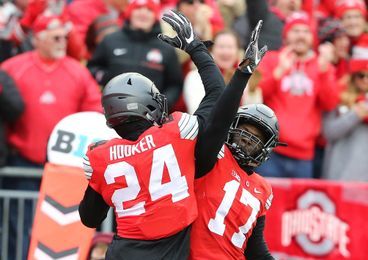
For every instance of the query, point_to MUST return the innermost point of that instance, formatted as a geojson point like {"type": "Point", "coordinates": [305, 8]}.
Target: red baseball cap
{"type": "Point", "coordinates": [43, 23]}
{"type": "Point", "coordinates": [153, 5]}
{"type": "Point", "coordinates": [294, 19]}
{"type": "Point", "coordinates": [342, 6]}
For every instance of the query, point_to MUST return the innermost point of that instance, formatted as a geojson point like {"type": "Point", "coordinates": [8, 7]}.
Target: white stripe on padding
{"type": "Point", "coordinates": [58, 216]}
{"type": "Point", "coordinates": [41, 255]}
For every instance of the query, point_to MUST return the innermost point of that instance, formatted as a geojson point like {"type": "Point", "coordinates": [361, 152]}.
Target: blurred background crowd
{"type": "Point", "coordinates": [57, 55]}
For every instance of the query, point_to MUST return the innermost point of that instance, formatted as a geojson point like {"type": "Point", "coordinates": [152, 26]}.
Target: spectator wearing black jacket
{"type": "Point", "coordinates": [136, 48]}
{"type": "Point", "coordinates": [11, 107]}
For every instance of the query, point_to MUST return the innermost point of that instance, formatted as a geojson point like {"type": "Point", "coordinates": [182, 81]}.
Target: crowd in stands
{"type": "Point", "coordinates": [57, 55]}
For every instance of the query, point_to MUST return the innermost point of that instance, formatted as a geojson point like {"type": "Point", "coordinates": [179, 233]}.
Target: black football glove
{"type": "Point", "coordinates": [253, 55]}
{"type": "Point", "coordinates": [185, 38]}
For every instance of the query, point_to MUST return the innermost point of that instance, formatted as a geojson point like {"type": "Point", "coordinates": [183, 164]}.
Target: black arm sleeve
{"type": "Point", "coordinates": [212, 80]}
{"type": "Point", "coordinates": [92, 209]}
{"type": "Point", "coordinates": [211, 139]}
{"type": "Point", "coordinates": [256, 245]}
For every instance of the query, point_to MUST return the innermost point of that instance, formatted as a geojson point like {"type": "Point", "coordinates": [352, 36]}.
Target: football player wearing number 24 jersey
{"type": "Point", "coordinates": [148, 175]}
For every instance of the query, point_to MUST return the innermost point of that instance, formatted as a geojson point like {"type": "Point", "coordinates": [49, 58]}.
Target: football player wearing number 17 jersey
{"type": "Point", "coordinates": [233, 199]}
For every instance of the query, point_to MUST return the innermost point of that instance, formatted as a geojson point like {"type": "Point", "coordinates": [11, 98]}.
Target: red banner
{"type": "Point", "coordinates": [312, 219]}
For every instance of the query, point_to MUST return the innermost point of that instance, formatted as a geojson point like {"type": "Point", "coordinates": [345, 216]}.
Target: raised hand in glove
{"type": "Point", "coordinates": [185, 38]}
{"type": "Point", "coordinates": [253, 55]}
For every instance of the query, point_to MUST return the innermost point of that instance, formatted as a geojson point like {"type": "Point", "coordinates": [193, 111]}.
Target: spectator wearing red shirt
{"type": "Point", "coordinates": [352, 14]}
{"type": "Point", "coordinates": [52, 86]}
{"type": "Point", "coordinates": [298, 85]}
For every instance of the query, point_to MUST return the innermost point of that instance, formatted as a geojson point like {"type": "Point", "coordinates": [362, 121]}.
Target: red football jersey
{"type": "Point", "coordinates": [149, 182]}
{"type": "Point", "coordinates": [229, 203]}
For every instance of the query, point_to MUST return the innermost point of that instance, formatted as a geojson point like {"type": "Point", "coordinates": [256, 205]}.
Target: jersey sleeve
{"type": "Point", "coordinates": [188, 126]}
{"type": "Point", "coordinates": [268, 196]}
{"type": "Point", "coordinates": [89, 166]}
{"type": "Point", "coordinates": [88, 171]}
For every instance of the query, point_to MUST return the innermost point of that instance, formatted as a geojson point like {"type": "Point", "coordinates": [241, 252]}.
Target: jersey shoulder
{"type": "Point", "coordinates": [186, 124]}
{"type": "Point", "coordinates": [92, 152]}
{"type": "Point", "coordinates": [94, 145]}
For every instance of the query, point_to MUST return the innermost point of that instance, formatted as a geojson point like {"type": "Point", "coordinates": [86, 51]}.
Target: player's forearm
{"type": "Point", "coordinates": [256, 246]}
{"type": "Point", "coordinates": [211, 77]}
{"type": "Point", "coordinates": [215, 132]}
{"type": "Point", "coordinates": [213, 83]}
{"type": "Point", "coordinates": [92, 209]}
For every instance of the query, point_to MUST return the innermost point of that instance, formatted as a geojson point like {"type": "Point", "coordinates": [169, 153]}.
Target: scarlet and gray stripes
{"type": "Point", "coordinates": [269, 201]}
{"type": "Point", "coordinates": [221, 153]}
{"type": "Point", "coordinates": [87, 167]}
{"type": "Point", "coordinates": [188, 126]}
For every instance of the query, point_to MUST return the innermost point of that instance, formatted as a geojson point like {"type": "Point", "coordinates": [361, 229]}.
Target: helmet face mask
{"type": "Point", "coordinates": [246, 141]}
{"type": "Point", "coordinates": [248, 148]}
{"type": "Point", "coordinates": [130, 97]}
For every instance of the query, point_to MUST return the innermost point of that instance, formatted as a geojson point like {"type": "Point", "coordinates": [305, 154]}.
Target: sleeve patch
{"type": "Point", "coordinates": [188, 126]}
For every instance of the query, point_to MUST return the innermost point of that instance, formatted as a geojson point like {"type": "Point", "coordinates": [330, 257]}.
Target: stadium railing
{"type": "Point", "coordinates": [21, 197]}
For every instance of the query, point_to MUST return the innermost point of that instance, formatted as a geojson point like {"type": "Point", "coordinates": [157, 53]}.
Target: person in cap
{"type": "Point", "coordinates": [352, 14]}
{"type": "Point", "coordinates": [346, 127]}
{"type": "Point", "coordinates": [52, 86]}
{"type": "Point", "coordinates": [331, 31]}
{"type": "Point", "coordinates": [298, 85]}
{"type": "Point", "coordinates": [135, 47]}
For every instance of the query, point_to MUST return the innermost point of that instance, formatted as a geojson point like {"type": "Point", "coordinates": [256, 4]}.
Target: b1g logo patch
{"type": "Point", "coordinates": [315, 226]}
{"type": "Point", "coordinates": [70, 138]}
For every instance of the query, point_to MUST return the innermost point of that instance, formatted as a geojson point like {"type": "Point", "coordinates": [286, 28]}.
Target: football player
{"type": "Point", "coordinates": [148, 175]}
{"type": "Point", "coordinates": [233, 199]}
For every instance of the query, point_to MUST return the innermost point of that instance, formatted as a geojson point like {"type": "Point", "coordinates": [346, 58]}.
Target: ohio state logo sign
{"type": "Point", "coordinates": [315, 226]}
